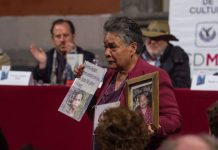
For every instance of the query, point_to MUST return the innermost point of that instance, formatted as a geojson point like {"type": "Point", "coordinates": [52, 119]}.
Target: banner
{"type": "Point", "coordinates": [195, 24]}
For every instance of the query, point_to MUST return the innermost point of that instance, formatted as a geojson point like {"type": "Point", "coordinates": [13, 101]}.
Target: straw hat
{"type": "Point", "coordinates": [160, 29]}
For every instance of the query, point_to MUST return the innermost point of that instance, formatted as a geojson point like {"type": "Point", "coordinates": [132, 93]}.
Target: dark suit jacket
{"type": "Point", "coordinates": [45, 74]}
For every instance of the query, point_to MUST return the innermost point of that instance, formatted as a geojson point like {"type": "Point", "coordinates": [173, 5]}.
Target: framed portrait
{"type": "Point", "coordinates": [142, 94]}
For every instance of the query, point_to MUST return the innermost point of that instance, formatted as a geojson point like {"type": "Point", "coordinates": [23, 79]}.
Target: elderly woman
{"type": "Point", "coordinates": [123, 44]}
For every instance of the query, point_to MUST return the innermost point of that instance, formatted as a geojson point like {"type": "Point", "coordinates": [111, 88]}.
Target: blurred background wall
{"type": "Point", "coordinates": [24, 22]}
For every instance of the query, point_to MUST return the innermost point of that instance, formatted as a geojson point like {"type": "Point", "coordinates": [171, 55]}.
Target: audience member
{"type": "Point", "coordinates": [191, 142]}
{"type": "Point", "coordinates": [121, 129]}
{"type": "Point", "coordinates": [3, 142]}
{"type": "Point", "coordinates": [213, 119]}
{"type": "Point", "coordinates": [52, 65]}
{"type": "Point", "coordinates": [161, 53]}
{"type": "Point", "coordinates": [4, 58]}
{"type": "Point", "coordinates": [123, 43]}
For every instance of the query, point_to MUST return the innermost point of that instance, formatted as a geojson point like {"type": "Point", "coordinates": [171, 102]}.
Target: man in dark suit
{"type": "Point", "coordinates": [52, 65]}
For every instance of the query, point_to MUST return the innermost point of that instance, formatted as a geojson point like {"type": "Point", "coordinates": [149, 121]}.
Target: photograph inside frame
{"type": "Point", "coordinates": [143, 97]}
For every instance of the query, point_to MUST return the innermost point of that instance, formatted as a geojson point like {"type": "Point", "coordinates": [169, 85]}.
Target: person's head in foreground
{"type": "Point", "coordinates": [121, 129]}
{"type": "Point", "coordinates": [191, 142]}
{"type": "Point", "coordinates": [123, 43]}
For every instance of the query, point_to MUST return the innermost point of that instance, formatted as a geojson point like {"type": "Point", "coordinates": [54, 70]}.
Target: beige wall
{"type": "Point", "coordinates": [166, 5]}
{"type": "Point", "coordinates": [17, 33]}
{"type": "Point", "coordinates": [23, 22]}
{"type": "Point", "coordinates": [28, 21]}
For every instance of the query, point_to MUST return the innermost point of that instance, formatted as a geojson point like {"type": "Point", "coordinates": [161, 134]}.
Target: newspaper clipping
{"type": "Point", "coordinates": [81, 92]}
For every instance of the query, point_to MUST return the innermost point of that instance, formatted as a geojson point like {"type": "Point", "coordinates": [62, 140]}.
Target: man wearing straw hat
{"type": "Point", "coordinates": [161, 53]}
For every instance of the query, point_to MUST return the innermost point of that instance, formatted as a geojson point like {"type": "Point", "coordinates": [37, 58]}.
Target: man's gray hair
{"type": "Point", "coordinates": [128, 30]}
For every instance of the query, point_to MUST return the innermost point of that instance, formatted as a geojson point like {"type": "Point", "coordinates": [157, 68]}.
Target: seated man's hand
{"type": "Point", "coordinates": [39, 55]}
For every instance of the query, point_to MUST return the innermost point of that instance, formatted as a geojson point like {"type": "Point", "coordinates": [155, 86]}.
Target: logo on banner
{"type": "Point", "coordinates": [206, 34]}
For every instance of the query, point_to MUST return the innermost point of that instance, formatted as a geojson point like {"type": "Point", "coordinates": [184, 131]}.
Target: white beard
{"type": "Point", "coordinates": [157, 52]}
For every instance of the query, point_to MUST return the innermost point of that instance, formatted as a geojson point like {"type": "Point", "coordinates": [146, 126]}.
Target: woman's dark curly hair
{"type": "Point", "coordinates": [212, 113]}
{"type": "Point", "coordinates": [121, 129]}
